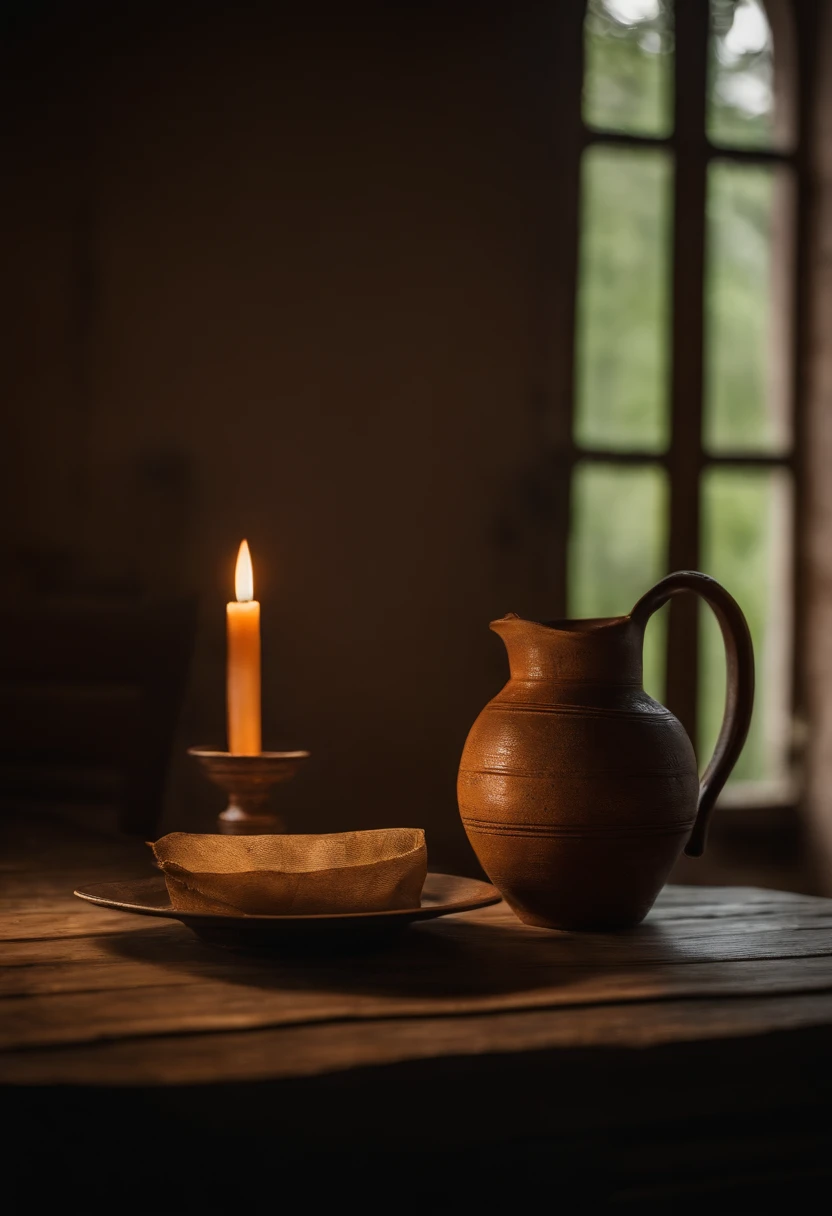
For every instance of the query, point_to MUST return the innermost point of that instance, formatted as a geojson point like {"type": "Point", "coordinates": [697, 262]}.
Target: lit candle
{"type": "Point", "coordinates": [243, 675]}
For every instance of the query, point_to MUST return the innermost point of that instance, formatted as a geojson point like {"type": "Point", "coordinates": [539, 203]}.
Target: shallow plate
{"type": "Point", "coordinates": [442, 895]}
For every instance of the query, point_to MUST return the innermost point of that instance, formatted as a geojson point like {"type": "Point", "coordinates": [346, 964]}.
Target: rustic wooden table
{"type": "Point", "coordinates": [687, 1058]}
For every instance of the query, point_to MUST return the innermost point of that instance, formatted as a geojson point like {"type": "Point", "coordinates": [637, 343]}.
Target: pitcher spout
{"type": "Point", "coordinates": [602, 649]}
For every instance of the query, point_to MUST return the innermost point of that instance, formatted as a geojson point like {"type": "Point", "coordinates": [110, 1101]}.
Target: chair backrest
{"type": "Point", "coordinates": [90, 693]}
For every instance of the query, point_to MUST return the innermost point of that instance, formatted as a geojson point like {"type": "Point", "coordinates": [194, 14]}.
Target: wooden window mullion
{"type": "Point", "coordinates": [561, 69]}
{"type": "Point", "coordinates": [807, 27]}
{"type": "Point", "coordinates": [687, 344]}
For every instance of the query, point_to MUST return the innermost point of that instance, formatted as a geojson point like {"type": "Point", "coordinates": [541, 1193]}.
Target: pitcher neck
{"type": "Point", "coordinates": [605, 651]}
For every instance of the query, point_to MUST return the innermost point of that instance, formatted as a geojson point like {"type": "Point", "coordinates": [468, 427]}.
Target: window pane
{"type": "Point", "coordinates": [747, 312]}
{"type": "Point", "coordinates": [628, 66]}
{"type": "Point", "coordinates": [741, 76]}
{"type": "Point", "coordinates": [622, 351]}
{"type": "Point", "coordinates": [747, 547]}
{"type": "Point", "coordinates": [617, 549]}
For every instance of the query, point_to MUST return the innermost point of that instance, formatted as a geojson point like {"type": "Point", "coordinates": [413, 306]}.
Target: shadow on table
{"type": "Point", "coordinates": [462, 958]}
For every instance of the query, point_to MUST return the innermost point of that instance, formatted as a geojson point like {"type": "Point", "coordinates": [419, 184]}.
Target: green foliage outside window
{"type": "Point", "coordinates": [623, 340]}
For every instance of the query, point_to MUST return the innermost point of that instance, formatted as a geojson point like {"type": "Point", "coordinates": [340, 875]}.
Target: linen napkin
{"type": "Point", "coordinates": [369, 871]}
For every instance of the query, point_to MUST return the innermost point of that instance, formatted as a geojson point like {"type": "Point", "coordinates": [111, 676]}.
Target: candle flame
{"type": "Point", "coordinates": [244, 575]}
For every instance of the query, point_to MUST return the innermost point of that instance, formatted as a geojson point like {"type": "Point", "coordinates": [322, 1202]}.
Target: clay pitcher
{"type": "Point", "coordinates": [577, 790]}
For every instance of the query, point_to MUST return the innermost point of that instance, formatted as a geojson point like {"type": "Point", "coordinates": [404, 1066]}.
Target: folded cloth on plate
{"type": "Point", "coordinates": [369, 871]}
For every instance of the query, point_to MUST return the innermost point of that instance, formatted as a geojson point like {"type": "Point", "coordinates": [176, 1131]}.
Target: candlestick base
{"type": "Point", "coordinates": [248, 781]}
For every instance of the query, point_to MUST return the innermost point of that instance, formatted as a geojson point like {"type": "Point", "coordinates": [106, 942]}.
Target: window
{"type": "Point", "coordinates": [684, 426]}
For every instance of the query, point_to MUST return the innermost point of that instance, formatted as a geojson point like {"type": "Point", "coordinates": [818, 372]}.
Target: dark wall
{"type": "Point", "coordinates": [298, 276]}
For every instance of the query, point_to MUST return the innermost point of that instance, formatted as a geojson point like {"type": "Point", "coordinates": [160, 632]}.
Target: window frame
{"type": "Point", "coordinates": [686, 459]}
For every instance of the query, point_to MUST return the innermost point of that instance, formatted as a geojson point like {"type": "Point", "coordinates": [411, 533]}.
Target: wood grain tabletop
{"type": "Point", "coordinates": [719, 1004]}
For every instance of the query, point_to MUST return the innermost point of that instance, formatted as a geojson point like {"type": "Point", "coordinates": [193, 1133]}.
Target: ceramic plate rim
{"type": "Point", "coordinates": [487, 896]}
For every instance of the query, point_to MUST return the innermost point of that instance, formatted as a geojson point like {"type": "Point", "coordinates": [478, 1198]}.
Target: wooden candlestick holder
{"type": "Point", "coordinates": [248, 781]}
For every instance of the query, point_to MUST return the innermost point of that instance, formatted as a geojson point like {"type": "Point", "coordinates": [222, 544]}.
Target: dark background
{"type": "Point", "coordinates": [279, 273]}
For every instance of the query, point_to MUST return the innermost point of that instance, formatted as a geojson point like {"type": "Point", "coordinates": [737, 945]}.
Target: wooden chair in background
{"type": "Point", "coordinates": [90, 694]}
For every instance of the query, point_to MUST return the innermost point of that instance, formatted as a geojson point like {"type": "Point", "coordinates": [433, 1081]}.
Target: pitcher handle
{"type": "Point", "coordinates": [739, 691]}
